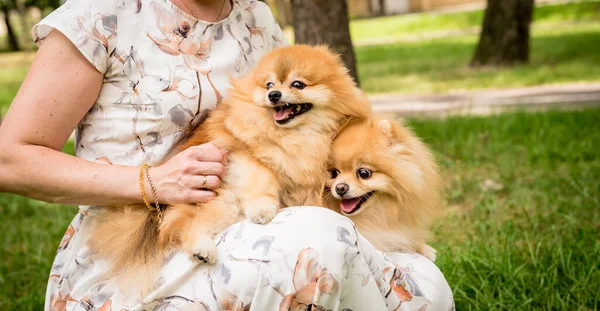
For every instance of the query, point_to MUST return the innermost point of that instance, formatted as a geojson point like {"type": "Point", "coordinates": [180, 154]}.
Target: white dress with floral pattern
{"type": "Point", "coordinates": [163, 71]}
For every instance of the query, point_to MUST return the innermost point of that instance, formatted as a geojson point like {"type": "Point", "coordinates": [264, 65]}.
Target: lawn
{"type": "Point", "coordinates": [421, 24]}
{"type": "Point", "coordinates": [14, 67]}
{"type": "Point", "coordinates": [534, 244]}
{"type": "Point", "coordinates": [531, 242]}
{"type": "Point", "coordinates": [559, 55]}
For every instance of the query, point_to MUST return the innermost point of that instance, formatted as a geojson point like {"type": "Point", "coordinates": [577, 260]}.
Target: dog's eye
{"type": "Point", "coordinates": [363, 173]}
{"type": "Point", "coordinates": [270, 85]}
{"type": "Point", "coordinates": [299, 85]}
{"type": "Point", "coordinates": [334, 173]}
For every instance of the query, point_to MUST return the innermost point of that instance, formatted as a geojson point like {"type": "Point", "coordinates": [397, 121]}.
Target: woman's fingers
{"type": "Point", "coordinates": [181, 179]}
{"type": "Point", "coordinates": [206, 168]}
{"type": "Point", "coordinates": [200, 196]}
{"type": "Point", "coordinates": [206, 153]}
{"type": "Point", "coordinates": [197, 182]}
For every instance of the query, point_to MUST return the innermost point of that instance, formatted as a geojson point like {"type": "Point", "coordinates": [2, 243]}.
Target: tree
{"type": "Point", "coordinates": [21, 6]}
{"type": "Point", "coordinates": [325, 22]}
{"type": "Point", "coordinates": [23, 11]}
{"type": "Point", "coordinates": [382, 7]}
{"type": "Point", "coordinates": [11, 37]}
{"type": "Point", "coordinates": [504, 38]}
{"type": "Point", "coordinates": [282, 11]}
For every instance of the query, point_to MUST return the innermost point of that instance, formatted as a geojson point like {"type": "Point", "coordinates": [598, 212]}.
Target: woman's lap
{"type": "Point", "coordinates": [305, 255]}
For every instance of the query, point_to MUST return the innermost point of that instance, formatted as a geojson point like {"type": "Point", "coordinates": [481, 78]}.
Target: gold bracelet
{"type": "Point", "coordinates": [142, 188]}
{"type": "Point", "coordinates": [153, 189]}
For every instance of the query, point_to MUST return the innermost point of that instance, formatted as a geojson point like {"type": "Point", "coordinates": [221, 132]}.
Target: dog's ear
{"type": "Point", "coordinates": [354, 104]}
{"type": "Point", "coordinates": [389, 130]}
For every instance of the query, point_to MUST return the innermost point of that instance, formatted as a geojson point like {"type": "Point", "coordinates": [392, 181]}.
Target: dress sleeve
{"type": "Point", "coordinates": [90, 24]}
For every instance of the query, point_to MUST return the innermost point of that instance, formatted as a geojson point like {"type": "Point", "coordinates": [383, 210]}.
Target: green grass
{"type": "Point", "coordinates": [533, 245]}
{"type": "Point", "coordinates": [14, 68]}
{"type": "Point", "coordinates": [31, 231]}
{"type": "Point", "coordinates": [414, 24]}
{"type": "Point", "coordinates": [565, 54]}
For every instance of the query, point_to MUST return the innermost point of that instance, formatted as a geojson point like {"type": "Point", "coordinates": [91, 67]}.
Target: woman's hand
{"type": "Point", "coordinates": [180, 180]}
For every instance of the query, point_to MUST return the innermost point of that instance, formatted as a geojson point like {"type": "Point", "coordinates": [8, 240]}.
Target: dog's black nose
{"type": "Point", "coordinates": [274, 96]}
{"type": "Point", "coordinates": [341, 189]}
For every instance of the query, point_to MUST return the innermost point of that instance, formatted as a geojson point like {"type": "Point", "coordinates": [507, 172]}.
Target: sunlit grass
{"type": "Point", "coordinates": [566, 54]}
{"type": "Point", "coordinates": [415, 24]}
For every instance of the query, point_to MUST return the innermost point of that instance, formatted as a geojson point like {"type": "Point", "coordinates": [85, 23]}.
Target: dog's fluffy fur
{"type": "Point", "coordinates": [271, 164]}
{"type": "Point", "coordinates": [393, 200]}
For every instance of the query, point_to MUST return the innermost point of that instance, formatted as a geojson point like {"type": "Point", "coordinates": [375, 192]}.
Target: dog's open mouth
{"type": "Point", "coordinates": [286, 112]}
{"type": "Point", "coordinates": [350, 206]}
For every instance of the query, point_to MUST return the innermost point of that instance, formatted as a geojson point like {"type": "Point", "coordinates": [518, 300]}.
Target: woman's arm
{"type": "Point", "coordinates": [59, 89]}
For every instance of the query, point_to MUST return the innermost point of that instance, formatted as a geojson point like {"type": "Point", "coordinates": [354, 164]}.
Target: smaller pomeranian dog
{"type": "Point", "coordinates": [386, 180]}
{"type": "Point", "coordinates": [277, 123]}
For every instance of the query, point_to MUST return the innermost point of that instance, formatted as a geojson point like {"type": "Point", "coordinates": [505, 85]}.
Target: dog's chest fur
{"type": "Point", "coordinates": [299, 164]}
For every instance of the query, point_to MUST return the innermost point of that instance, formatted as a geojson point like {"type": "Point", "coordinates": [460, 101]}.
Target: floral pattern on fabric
{"type": "Point", "coordinates": [267, 267]}
{"type": "Point", "coordinates": [163, 69]}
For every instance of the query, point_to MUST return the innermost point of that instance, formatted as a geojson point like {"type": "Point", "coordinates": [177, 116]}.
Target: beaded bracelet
{"type": "Point", "coordinates": [156, 209]}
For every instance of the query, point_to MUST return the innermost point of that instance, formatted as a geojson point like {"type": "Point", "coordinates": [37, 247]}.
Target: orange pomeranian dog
{"type": "Point", "coordinates": [277, 123]}
{"type": "Point", "coordinates": [385, 179]}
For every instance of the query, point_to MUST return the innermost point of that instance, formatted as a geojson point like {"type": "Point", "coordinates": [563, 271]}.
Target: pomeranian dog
{"type": "Point", "coordinates": [386, 180]}
{"type": "Point", "coordinates": [277, 124]}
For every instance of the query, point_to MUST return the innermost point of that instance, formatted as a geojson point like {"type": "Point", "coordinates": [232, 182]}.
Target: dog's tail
{"type": "Point", "coordinates": [128, 238]}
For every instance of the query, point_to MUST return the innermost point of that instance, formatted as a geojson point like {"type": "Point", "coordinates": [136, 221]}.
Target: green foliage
{"type": "Point", "coordinates": [41, 4]}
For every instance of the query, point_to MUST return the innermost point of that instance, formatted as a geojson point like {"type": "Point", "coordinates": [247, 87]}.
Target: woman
{"type": "Point", "coordinates": [134, 78]}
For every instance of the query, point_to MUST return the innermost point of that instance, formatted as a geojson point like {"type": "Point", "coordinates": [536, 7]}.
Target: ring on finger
{"type": "Point", "coordinates": [204, 182]}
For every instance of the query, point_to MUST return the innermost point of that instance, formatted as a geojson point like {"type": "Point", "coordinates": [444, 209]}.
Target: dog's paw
{"type": "Point", "coordinates": [204, 250]}
{"type": "Point", "coordinates": [261, 210]}
{"type": "Point", "coordinates": [429, 252]}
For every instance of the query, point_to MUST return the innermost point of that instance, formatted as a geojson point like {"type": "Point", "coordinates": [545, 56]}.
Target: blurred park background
{"type": "Point", "coordinates": [522, 230]}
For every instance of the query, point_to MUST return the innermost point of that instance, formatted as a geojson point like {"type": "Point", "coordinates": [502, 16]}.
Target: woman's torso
{"type": "Point", "coordinates": [164, 71]}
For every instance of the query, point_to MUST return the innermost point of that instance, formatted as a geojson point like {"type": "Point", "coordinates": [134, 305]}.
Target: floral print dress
{"type": "Point", "coordinates": [163, 71]}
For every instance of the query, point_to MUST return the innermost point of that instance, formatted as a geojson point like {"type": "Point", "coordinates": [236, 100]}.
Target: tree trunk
{"type": "Point", "coordinates": [504, 38]}
{"type": "Point", "coordinates": [23, 16]}
{"type": "Point", "coordinates": [325, 22]}
{"type": "Point", "coordinates": [13, 43]}
{"type": "Point", "coordinates": [284, 12]}
{"type": "Point", "coordinates": [370, 8]}
{"type": "Point", "coordinates": [382, 8]}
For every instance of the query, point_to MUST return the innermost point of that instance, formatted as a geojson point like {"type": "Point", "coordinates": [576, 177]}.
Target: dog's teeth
{"type": "Point", "coordinates": [298, 108]}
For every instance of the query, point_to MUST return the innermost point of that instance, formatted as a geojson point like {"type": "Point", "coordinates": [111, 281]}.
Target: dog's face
{"type": "Point", "coordinates": [377, 164]}
{"type": "Point", "coordinates": [302, 84]}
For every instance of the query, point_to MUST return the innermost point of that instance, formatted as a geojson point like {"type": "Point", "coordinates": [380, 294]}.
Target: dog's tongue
{"type": "Point", "coordinates": [283, 113]}
{"type": "Point", "coordinates": [349, 205]}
